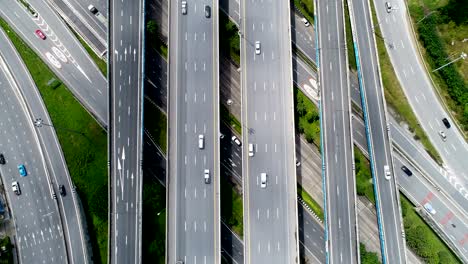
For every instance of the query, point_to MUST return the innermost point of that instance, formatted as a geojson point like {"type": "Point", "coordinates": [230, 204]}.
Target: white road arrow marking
{"type": "Point", "coordinates": [125, 52]}
{"type": "Point", "coordinates": [134, 54]}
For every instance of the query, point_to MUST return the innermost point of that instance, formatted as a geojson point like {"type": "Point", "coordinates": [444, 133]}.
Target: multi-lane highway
{"type": "Point", "coordinates": [193, 219]}
{"type": "Point", "coordinates": [125, 130]}
{"type": "Point", "coordinates": [270, 208]}
{"type": "Point", "coordinates": [77, 69]}
{"type": "Point", "coordinates": [420, 92]}
{"type": "Point", "coordinates": [374, 108]}
{"type": "Point", "coordinates": [337, 141]}
{"type": "Point", "coordinates": [39, 229]}
{"type": "Point", "coordinates": [57, 171]}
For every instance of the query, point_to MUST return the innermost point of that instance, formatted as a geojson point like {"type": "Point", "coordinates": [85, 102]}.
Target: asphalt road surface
{"type": "Point", "coordinates": [78, 71]}
{"type": "Point", "coordinates": [418, 88]}
{"type": "Point", "coordinates": [337, 147]}
{"type": "Point", "coordinates": [270, 213]}
{"type": "Point", "coordinates": [193, 219]}
{"type": "Point", "coordinates": [373, 101]}
{"type": "Point", "coordinates": [58, 174]}
{"type": "Point", "coordinates": [39, 230]}
{"type": "Point", "coordinates": [126, 130]}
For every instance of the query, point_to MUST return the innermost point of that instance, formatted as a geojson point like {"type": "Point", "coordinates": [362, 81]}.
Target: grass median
{"type": "Point", "coordinates": [396, 98]}
{"type": "Point", "coordinates": [158, 125]}
{"type": "Point", "coordinates": [101, 64]}
{"type": "Point", "coordinates": [229, 40]}
{"type": "Point", "coordinates": [306, 8]}
{"type": "Point", "coordinates": [154, 222]}
{"type": "Point", "coordinates": [349, 40]}
{"type": "Point", "coordinates": [316, 208]}
{"type": "Point", "coordinates": [85, 152]}
{"type": "Point", "coordinates": [364, 184]}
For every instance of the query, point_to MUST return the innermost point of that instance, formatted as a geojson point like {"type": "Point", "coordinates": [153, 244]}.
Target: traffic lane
{"type": "Point", "coordinates": [437, 174]}
{"type": "Point", "coordinates": [303, 37]}
{"type": "Point", "coordinates": [79, 73]}
{"type": "Point", "coordinates": [36, 216]}
{"type": "Point", "coordinates": [377, 128]}
{"type": "Point", "coordinates": [51, 149]}
{"type": "Point", "coordinates": [452, 224]}
{"type": "Point", "coordinates": [419, 90]}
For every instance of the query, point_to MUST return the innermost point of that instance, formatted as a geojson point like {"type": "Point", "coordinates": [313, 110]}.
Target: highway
{"type": "Point", "coordinates": [193, 205]}
{"type": "Point", "coordinates": [421, 93]}
{"type": "Point", "coordinates": [270, 212]}
{"type": "Point", "coordinates": [79, 72]}
{"type": "Point", "coordinates": [374, 108]}
{"type": "Point", "coordinates": [125, 131]}
{"type": "Point", "coordinates": [39, 230]}
{"type": "Point", "coordinates": [57, 171]}
{"type": "Point", "coordinates": [341, 238]}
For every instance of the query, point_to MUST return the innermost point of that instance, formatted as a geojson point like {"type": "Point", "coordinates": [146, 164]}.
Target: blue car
{"type": "Point", "coordinates": [22, 170]}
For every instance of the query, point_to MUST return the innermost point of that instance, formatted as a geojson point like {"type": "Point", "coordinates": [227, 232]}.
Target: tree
{"type": "Point", "coordinates": [151, 27]}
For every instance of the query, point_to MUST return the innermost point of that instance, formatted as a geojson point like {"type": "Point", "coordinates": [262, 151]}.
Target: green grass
{"type": "Point", "coordinates": [230, 119]}
{"type": "Point", "coordinates": [368, 257]}
{"type": "Point", "coordinates": [349, 41]}
{"type": "Point", "coordinates": [154, 225]}
{"type": "Point", "coordinates": [153, 38]}
{"type": "Point", "coordinates": [231, 207]}
{"type": "Point", "coordinates": [7, 256]}
{"type": "Point", "coordinates": [396, 98]}
{"type": "Point", "coordinates": [307, 117]}
{"type": "Point", "coordinates": [306, 8]}
{"type": "Point", "coordinates": [102, 64]}
{"type": "Point", "coordinates": [156, 124]}
{"type": "Point", "coordinates": [310, 201]}
{"type": "Point", "coordinates": [85, 154]}
{"type": "Point", "coordinates": [364, 185]}
{"type": "Point", "coordinates": [421, 239]}
{"type": "Point", "coordinates": [229, 41]}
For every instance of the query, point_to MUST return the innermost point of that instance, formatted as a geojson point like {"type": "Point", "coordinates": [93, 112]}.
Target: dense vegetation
{"type": "Point", "coordinates": [306, 8]}
{"type": "Point", "coordinates": [229, 41]}
{"type": "Point", "coordinates": [307, 118]}
{"type": "Point", "coordinates": [364, 185]}
{"type": "Point", "coordinates": [154, 222]}
{"type": "Point", "coordinates": [421, 239]}
{"type": "Point", "coordinates": [368, 257]}
{"type": "Point", "coordinates": [6, 256]}
{"type": "Point", "coordinates": [154, 38]}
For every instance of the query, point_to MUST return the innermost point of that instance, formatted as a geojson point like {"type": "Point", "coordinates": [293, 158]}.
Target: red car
{"type": "Point", "coordinates": [40, 34]}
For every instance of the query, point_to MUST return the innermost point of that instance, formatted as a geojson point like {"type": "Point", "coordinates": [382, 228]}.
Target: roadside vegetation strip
{"type": "Point", "coordinates": [296, 51]}
{"type": "Point", "coordinates": [349, 40]}
{"type": "Point", "coordinates": [154, 222]}
{"type": "Point", "coordinates": [306, 117]}
{"type": "Point", "coordinates": [368, 257]}
{"type": "Point", "coordinates": [85, 152]}
{"type": "Point", "coordinates": [364, 185]}
{"type": "Point", "coordinates": [230, 119]}
{"type": "Point", "coordinates": [396, 98]}
{"type": "Point", "coordinates": [229, 40]}
{"type": "Point", "coordinates": [156, 124]}
{"type": "Point", "coordinates": [101, 64]}
{"type": "Point", "coordinates": [232, 207]}
{"type": "Point", "coordinates": [441, 28]}
{"type": "Point", "coordinates": [306, 8]}
{"type": "Point", "coordinates": [154, 38]}
{"type": "Point", "coordinates": [316, 208]}
{"type": "Point", "coordinates": [422, 240]}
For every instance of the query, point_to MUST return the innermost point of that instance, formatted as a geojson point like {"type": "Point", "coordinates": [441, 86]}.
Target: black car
{"type": "Point", "coordinates": [62, 190]}
{"type": "Point", "coordinates": [446, 122]}
{"type": "Point", "coordinates": [2, 159]}
{"type": "Point", "coordinates": [406, 170]}
{"type": "Point", "coordinates": [207, 11]}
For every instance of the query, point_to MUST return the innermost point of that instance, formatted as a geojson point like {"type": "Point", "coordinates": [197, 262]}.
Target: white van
{"type": "Point", "coordinates": [201, 141]}
{"type": "Point", "coordinates": [263, 180]}
{"type": "Point", "coordinates": [387, 172]}
{"type": "Point", "coordinates": [251, 150]}
{"type": "Point", "coordinates": [207, 176]}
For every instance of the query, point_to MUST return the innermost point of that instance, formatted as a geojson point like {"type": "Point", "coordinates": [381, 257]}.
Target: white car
{"type": "Point", "coordinates": [201, 141]}
{"type": "Point", "coordinates": [263, 180]}
{"type": "Point", "coordinates": [251, 150]}
{"type": "Point", "coordinates": [442, 135]}
{"type": "Point", "coordinates": [257, 47]}
{"type": "Point", "coordinates": [429, 208]}
{"type": "Point", "coordinates": [236, 140]}
{"type": "Point", "coordinates": [184, 7]}
{"type": "Point", "coordinates": [388, 7]}
{"type": "Point", "coordinates": [305, 21]}
{"type": "Point", "coordinates": [387, 172]}
{"type": "Point", "coordinates": [206, 174]}
{"type": "Point", "coordinates": [93, 9]}
{"type": "Point", "coordinates": [15, 187]}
